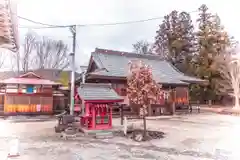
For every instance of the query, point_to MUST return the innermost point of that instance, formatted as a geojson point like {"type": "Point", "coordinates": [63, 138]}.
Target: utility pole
{"type": "Point", "coordinates": [73, 30]}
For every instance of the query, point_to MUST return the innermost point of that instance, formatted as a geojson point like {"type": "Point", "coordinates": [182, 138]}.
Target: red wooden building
{"type": "Point", "coordinates": [108, 66]}
{"type": "Point", "coordinates": [96, 100]}
{"type": "Point", "coordinates": [27, 94]}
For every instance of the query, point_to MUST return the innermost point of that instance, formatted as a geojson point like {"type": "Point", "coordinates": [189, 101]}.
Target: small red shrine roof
{"type": "Point", "coordinates": [98, 92]}
{"type": "Point", "coordinates": [29, 78]}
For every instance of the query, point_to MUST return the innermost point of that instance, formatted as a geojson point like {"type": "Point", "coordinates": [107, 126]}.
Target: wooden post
{"type": "Point", "coordinates": [29, 105]}
{"type": "Point", "coordinates": [121, 113]}
{"type": "Point", "coordinates": [41, 105]}
{"type": "Point", "coordinates": [173, 105]}
{"type": "Point", "coordinates": [144, 127]}
{"type": "Point", "coordinates": [149, 110]}
{"type": "Point", "coordinates": [110, 114]}
{"type": "Point", "coordinates": [93, 108]}
{"type": "Point", "coordinates": [188, 97]}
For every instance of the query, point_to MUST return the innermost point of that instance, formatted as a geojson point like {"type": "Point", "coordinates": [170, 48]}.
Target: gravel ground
{"type": "Point", "coordinates": [188, 137]}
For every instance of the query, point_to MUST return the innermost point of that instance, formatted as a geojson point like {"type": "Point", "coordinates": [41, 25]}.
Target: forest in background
{"type": "Point", "coordinates": [196, 48]}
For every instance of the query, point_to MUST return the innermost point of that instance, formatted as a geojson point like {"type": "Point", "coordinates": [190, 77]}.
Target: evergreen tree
{"type": "Point", "coordinates": [175, 40]}
{"type": "Point", "coordinates": [205, 50]}
{"type": "Point", "coordinates": [161, 45]}
{"type": "Point", "coordinates": [187, 46]}
{"type": "Point", "coordinates": [212, 40]}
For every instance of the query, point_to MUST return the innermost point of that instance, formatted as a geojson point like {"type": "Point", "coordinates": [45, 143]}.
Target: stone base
{"type": "Point", "coordinates": [99, 134]}
{"type": "Point", "coordinates": [66, 136]}
{"type": "Point", "coordinates": [104, 135]}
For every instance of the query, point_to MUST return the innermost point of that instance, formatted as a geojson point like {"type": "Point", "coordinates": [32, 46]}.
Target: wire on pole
{"type": "Point", "coordinates": [44, 24]}
{"type": "Point", "coordinates": [89, 25]}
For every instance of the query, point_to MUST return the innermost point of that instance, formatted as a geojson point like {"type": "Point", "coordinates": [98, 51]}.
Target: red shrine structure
{"type": "Point", "coordinates": [27, 94]}
{"type": "Point", "coordinates": [96, 100]}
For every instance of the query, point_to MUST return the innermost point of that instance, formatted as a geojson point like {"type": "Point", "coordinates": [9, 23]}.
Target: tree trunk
{"type": "Point", "coordinates": [144, 127]}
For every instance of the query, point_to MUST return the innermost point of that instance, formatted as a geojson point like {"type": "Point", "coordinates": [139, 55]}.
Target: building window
{"type": "Point", "coordinates": [30, 89]}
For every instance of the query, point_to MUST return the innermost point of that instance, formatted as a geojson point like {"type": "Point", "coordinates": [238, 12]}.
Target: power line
{"type": "Point", "coordinates": [90, 25]}
{"type": "Point", "coordinates": [44, 24]}
{"type": "Point", "coordinates": [38, 27]}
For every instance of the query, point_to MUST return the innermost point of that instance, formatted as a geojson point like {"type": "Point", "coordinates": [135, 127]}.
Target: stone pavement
{"type": "Point", "coordinates": [41, 118]}
{"type": "Point", "coordinates": [188, 137]}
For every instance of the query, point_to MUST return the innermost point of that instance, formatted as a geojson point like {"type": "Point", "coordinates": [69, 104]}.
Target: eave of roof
{"type": "Point", "coordinates": [98, 92]}
{"type": "Point", "coordinates": [30, 81]}
{"type": "Point", "coordinates": [167, 82]}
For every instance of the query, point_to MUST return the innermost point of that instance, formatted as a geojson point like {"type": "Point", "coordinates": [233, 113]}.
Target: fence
{"type": "Point", "coordinates": [27, 104]}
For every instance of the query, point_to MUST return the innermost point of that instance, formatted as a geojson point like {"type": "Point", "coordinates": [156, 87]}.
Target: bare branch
{"type": "Point", "coordinates": [2, 59]}
{"type": "Point", "coordinates": [51, 54]}
{"type": "Point", "coordinates": [142, 47]}
{"type": "Point", "coordinates": [26, 55]}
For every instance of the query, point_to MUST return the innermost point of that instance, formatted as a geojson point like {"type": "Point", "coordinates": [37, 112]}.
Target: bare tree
{"type": "Point", "coordinates": [23, 58]}
{"type": "Point", "coordinates": [2, 58]}
{"type": "Point", "coordinates": [228, 66]}
{"type": "Point", "coordinates": [142, 47]}
{"type": "Point", "coordinates": [142, 88]}
{"type": "Point", "coordinates": [51, 54]}
{"type": "Point", "coordinates": [28, 47]}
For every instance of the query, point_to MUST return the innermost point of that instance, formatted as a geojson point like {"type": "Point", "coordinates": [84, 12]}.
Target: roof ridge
{"type": "Point", "coordinates": [97, 84]}
{"type": "Point", "coordinates": [128, 54]}
{"type": "Point", "coordinates": [177, 70]}
{"type": "Point", "coordinates": [29, 73]}
{"type": "Point", "coordinates": [99, 60]}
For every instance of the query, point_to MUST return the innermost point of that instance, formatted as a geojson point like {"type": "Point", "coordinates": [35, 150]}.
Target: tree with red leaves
{"type": "Point", "coordinates": [142, 88]}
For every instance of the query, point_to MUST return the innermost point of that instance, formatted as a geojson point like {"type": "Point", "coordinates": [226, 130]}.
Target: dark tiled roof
{"type": "Point", "coordinates": [116, 64]}
{"type": "Point", "coordinates": [8, 74]}
{"type": "Point", "coordinates": [50, 74]}
{"type": "Point", "coordinates": [97, 91]}
{"type": "Point", "coordinates": [53, 74]}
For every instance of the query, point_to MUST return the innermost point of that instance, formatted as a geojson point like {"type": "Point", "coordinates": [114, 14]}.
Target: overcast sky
{"type": "Point", "coordinates": [119, 37]}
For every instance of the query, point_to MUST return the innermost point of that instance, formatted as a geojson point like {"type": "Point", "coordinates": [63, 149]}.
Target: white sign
{"type": "Point", "coordinates": [38, 107]}
{"type": "Point", "coordinates": [14, 148]}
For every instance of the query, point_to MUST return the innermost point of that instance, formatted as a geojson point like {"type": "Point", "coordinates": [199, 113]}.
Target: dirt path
{"type": "Point", "coordinates": [203, 136]}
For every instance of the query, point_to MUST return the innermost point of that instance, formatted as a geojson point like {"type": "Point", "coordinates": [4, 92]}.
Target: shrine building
{"type": "Point", "coordinates": [27, 94]}
{"type": "Point", "coordinates": [97, 100]}
{"type": "Point", "coordinates": [112, 67]}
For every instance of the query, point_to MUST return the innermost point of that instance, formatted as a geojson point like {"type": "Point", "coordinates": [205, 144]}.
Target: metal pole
{"type": "Point", "coordinates": [73, 30]}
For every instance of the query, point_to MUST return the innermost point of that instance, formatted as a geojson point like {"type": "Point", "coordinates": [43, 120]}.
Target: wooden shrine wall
{"type": "Point", "coordinates": [27, 104]}
{"type": "Point", "coordinates": [120, 86]}
{"type": "Point", "coordinates": [182, 94]}
{"type": "Point", "coordinates": [1, 103]}
{"type": "Point", "coordinates": [59, 103]}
